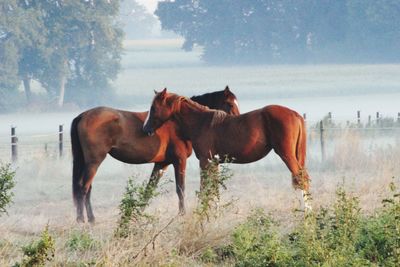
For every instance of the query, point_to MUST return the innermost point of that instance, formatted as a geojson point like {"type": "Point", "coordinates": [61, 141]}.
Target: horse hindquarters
{"type": "Point", "coordinates": [87, 157]}
{"type": "Point", "coordinates": [286, 132]}
{"type": "Point", "coordinates": [77, 169]}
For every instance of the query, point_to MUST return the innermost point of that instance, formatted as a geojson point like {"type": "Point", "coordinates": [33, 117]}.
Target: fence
{"type": "Point", "coordinates": [318, 132]}
{"type": "Point", "coordinates": [37, 142]}
{"type": "Point", "coordinates": [327, 126]}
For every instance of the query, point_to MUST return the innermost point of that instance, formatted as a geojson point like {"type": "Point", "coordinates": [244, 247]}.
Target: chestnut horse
{"type": "Point", "coordinates": [243, 139]}
{"type": "Point", "coordinates": [102, 130]}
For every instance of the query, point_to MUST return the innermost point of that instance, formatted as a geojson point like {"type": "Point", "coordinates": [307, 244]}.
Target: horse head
{"type": "Point", "coordinates": [161, 110]}
{"type": "Point", "coordinates": [229, 102]}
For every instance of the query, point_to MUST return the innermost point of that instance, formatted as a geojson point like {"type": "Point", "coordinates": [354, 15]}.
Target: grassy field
{"type": "Point", "coordinates": [43, 196]}
{"type": "Point", "coordinates": [276, 235]}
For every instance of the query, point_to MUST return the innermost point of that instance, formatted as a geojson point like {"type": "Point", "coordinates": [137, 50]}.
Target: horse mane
{"type": "Point", "coordinates": [176, 102]}
{"type": "Point", "coordinates": [208, 99]}
{"type": "Point", "coordinates": [218, 116]}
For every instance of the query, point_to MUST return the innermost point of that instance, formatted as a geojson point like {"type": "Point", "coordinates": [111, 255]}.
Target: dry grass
{"type": "Point", "coordinates": [43, 195]}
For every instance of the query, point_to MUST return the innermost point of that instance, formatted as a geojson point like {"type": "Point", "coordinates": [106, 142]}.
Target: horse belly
{"type": "Point", "coordinates": [136, 155]}
{"type": "Point", "coordinates": [250, 152]}
{"type": "Point", "coordinates": [255, 155]}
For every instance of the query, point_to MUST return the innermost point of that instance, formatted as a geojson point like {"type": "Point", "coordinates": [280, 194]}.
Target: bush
{"type": "Point", "coordinates": [136, 198]}
{"type": "Point", "coordinates": [81, 241]}
{"type": "Point", "coordinates": [339, 235]}
{"type": "Point", "coordinates": [257, 243]}
{"type": "Point", "coordinates": [213, 178]}
{"type": "Point", "coordinates": [6, 184]}
{"type": "Point", "coordinates": [38, 252]}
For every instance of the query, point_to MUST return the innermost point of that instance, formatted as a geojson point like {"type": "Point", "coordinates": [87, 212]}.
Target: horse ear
{"type": "Point", "coordinates": [155, 92]}
{"type": "Point", "coordinates": [227, 91]}
{"type": "Point", "coordinates": [163, 93]}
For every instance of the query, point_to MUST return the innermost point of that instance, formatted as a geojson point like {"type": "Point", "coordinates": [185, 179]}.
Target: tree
{"type": "Point", "coordinates": [72, 48]}
{"type": "Point", "coordinates": [273, 31]}
{"type": "Point", "coordinates": [86, 46]}
{"type": "Point", "coordinates": [136, 21]}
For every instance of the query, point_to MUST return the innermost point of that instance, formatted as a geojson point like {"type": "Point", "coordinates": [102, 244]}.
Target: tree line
{"type": "Point", "coordinates": [280, 31]}
{"type": "Point", "coordinates": [72, 48]}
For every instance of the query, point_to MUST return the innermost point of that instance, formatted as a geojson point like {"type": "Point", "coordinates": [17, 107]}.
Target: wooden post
{"type": "Point", "coordinates": [60, 139]}
{"type": "Point", "coordinates": [329, 117]}
{"type": "Point", "coordinates": [369, 120]}
{"type": "Point", "coordinates": [398, 117]}
{"type": "Point", "coordinates": [377, 118]}
{"type": "Point", "coordinates": [321, 128]}
{"type": "Point", "coordinates": [358, 117]}
{"type": "Point", "coordinates": [14, 143]}
{"type": "Point", "coordinates": [305, 116]}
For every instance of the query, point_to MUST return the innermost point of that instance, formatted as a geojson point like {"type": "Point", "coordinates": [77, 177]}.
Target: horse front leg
{"type": "Point", "coordinates": [180, 169]}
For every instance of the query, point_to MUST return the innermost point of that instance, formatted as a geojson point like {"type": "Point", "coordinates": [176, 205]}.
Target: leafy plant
{"type": "Point", "coordinates": [38, 252]}
{"type": "Point", "coordinates": [6, 184]}
{"type": "Point", "coordinates": [213, 177]}
{"type": "Point", "coordinates": [136, 198]}
{"type": "Point", "coordinates": [257, 243]}
{"type": "Point", "coordinates": [80, 241]}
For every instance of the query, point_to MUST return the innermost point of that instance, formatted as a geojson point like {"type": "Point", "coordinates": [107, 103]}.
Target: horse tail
{"type": "Point", "coordinates": [301, 143]}
{"type": "Point", "coordinates": [78, 160]}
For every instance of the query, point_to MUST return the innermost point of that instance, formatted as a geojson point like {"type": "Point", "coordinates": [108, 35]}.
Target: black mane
{"type": "Point", "coordinates": [210, 100]}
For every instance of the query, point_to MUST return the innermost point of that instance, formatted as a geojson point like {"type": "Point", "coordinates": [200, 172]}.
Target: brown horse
{"type": "Point", "coordinates": [243, 139]}
{"type": "Point", "coordinates": [102, 130]}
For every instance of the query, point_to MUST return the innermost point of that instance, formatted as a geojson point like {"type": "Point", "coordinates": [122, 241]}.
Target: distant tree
{"type": "Point", "coordinates": [85, 46]}
{"type": "Point", "coordinates": [268, 31]}
{"type": "Point", "coordinates": [374, 27]}
{"type": "Point", "coordinates": [21, 39]}
{"type": "Point", "coordinates": [136, 21]}
{"type": "Point", "coordinates": [71, 47]}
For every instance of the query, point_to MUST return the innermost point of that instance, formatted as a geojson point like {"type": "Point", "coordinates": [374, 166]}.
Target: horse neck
{"type": "Point", "coordinates": [191, 116]}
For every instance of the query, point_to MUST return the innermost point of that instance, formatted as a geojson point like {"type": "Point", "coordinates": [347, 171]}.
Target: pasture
{"type": "Point", "coordinates": [363, 161]}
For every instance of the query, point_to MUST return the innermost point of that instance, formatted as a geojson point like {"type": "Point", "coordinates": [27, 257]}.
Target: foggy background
{"type": "Point", "coordinates": [59, 58]}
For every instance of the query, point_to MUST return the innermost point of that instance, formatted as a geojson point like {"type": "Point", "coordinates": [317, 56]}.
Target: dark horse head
{"type": "Point", "coordinates": [223, 100]}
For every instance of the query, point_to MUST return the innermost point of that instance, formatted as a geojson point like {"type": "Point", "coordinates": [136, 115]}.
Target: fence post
{"type": "Point", "coordinates": [369, 120]}
{"type": "Point", "coordinates": [321, 128]}
{"type": "Point", "coordinates": [329, 117]}
{"type": "Point", "coordinates": [398, 117]}
{"type": "Point", "coordinates": [305, 116]}
{"type": "Point", "coordinates": [60, 139]}
{"type": "Point", "coordinates": [358, 118]}
{"type": "Point", "coordinates": [377, 118]}
{"type": "Point", "coordinates": [14, 143]}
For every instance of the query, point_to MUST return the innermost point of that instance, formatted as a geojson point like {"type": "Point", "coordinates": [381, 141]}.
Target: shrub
{"type": "Point", "coordinates": [80, 241]}
{"type": "Point", "coordinates": [257, 243]}
{"type": "Point", "coordinates": [134, 200]}
{"type": "Point", "coordinates": [6, 184]}
{"type": "Point", "coordinates": [38, 252]}
{"type": "Point", "coordinates": [213, 178]}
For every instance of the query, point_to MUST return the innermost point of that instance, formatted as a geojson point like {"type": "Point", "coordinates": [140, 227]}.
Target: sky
{"type": "Point", "coordinates": [151, 5]}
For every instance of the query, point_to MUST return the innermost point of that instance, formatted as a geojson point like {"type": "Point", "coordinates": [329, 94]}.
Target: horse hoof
{"type": "Point", "coordinates": [91, 220]}
{"type": "Point", "coordinates": [182, 212]}
{"type": "Point", "coordinates": [80, 220]}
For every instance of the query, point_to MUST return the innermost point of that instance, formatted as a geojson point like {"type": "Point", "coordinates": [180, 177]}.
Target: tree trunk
{"type": "Point", "coordinates": [27, 87]}
{"type": "Point", "coordinates": [62, 91]}
{"type": "Point", "coordinates": [63, 80]}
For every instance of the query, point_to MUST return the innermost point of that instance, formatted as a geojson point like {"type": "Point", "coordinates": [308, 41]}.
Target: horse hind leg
{"type": "Point", "coordinates": [300, 178]}
{"type": "Point", "coordinates": [91, 170]}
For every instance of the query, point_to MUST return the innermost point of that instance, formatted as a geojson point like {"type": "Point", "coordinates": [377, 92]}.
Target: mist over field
{"type": "Point", "coordinates": [155, 53]}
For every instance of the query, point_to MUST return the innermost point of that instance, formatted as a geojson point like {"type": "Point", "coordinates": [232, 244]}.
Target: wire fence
{"type": "Point", "coordinates": [322, 136]}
